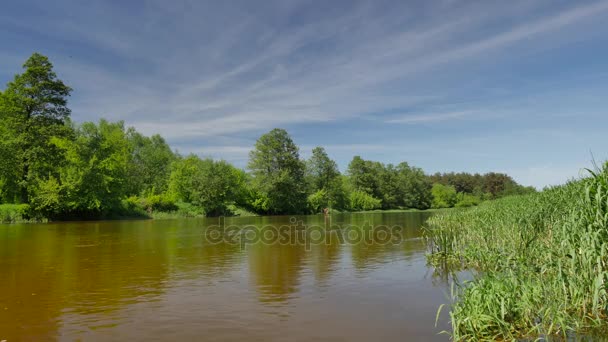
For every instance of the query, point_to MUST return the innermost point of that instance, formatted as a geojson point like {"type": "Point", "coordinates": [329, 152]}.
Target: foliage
{"type": "Point", "coordinates": [538, 260]}
{"type": "Point", "coordinates": [150, 163]}
{"type": "Point", "coordinates": [491, 185]}
{"type": "Point", "coordinates": [10, 213]}
{"type": "Point", "coordinates": [325, 182]}
{"type": "Point", "coordinates": [444, 196]}
{"type": "Point", "coordinates": [92, 180]}
{"type": "Point", "coordinates": [102, 170]}
{"type": "Point", "coordinates": [398, 186]}
{"type": "Point", "coordinates": [33, 110]}
{"type": "Point", "coordinates": [208, 184]}
{"type": "Point", "coordinates": [278, 174]}
{"type": "Point", "coordinates": [360, 200]}
{"type": "Point", "coordinates": [466, 200]}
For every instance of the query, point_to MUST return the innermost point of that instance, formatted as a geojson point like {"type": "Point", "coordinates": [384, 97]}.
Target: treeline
{"type": "Point", "coordinates": [53, 168]}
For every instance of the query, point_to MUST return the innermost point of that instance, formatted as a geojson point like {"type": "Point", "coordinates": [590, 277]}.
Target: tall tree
{"type": "Point", "coordinates": [150, 164]}
{"type": "Point", "coordinates": [325, 182]}
{"type": "Point", "coordinates": [33, 110]}
{"type": "Point", "coordinates": [211, 185]}
{"type": "Point", "coordinates": [278, 173]}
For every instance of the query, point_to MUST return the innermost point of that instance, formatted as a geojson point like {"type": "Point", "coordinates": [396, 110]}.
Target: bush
{"type": "Point", "coordinates": [14, 213]}
{"type": "Point", "coordinates": [189, 210]}
{"type": "Point", "coordinates": [360, 200]}
{"type": "Point", "coordinates": [466, 200]}
{"type": "Point", "coordinates": [317, 201]}
{"type": "Point", "coordinates": [152, 203]}
{"type": "Point", "coordinates": [444, 196]}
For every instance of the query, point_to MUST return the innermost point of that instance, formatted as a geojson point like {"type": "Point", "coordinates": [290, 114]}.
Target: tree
{"type": "Point", "coordinates": [365, 175]}
{"type": "Point", "coordinates": [33, 110]}
{"type": "Point", "coordinates": [278, 173]}
{"type": "Point", "coordinates": [92, 180]}
{"type": "Point", "coordinates": [325, 182]}
{"type": "Point", "coordinates": [360, 200]}
{"type": "Point", "coordinates": [211, 185]}
{"type": "Point", "coordinates": [444, 196]}
{"type": "Point", "coordinates": [150, 164]}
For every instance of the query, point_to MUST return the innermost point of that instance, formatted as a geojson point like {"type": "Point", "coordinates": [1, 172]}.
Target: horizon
{"type": "Point", "coordinates": [448, 87]}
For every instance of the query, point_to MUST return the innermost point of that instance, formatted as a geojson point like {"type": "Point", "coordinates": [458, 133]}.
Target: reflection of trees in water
{"type": "Point", "coordinates": [275, 269]}
{"type": "Point", "coordinates": [58, 271]}
{"type": "Point", "coordinates": [93, 271]}
{"type": "Point", "coordinates": [324, 258]}
{"type": "Point", "coordinates": [365, 255]}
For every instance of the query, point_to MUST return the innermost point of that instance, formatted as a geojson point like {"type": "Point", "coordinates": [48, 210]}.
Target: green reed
{"type": "Point", "coordinates": [540, 262]}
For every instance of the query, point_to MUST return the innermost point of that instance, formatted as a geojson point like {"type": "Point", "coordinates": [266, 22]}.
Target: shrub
{"type": "Point", "coordinates": [14, 213]}
{"type": "Point", "coordinates": [444, 196]}
{"type": "Point", "coordinates": [466, 200]}
{"type": "Point", "coordinates": [360, 200]}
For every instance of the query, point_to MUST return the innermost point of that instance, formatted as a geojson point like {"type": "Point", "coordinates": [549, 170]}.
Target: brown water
{"type": "Point", "coordinates": [163, 280]}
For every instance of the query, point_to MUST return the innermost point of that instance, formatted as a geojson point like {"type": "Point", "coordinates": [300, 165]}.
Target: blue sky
{"type": "Point", "coordinates": [511, 86]}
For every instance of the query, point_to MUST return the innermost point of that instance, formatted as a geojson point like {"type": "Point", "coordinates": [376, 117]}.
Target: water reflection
{"type": "Point", "coordinates": [161, 279]}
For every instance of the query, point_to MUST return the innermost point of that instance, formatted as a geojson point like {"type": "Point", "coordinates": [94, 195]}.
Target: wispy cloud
{"type": "Point", "coordinates": [430, 117]}
{"type": "Point", "coordinates": [209, 75]}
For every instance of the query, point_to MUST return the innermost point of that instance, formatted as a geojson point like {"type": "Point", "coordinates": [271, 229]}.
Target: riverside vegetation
{"type": "Point", "coordinates": [539, 262]}
{"type": "Point", "coordinates": [54, 169]}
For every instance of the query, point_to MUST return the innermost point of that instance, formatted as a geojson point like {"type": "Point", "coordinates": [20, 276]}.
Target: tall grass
{"type": "Point", "coordinates": [540, 262]}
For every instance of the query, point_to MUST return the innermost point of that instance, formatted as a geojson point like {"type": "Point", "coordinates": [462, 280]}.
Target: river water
{"type": "Point", "coordinates": [246, 278]}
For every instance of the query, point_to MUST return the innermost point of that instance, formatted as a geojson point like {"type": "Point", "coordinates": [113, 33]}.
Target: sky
{"type": "Point", "coordinates": [449, 85]}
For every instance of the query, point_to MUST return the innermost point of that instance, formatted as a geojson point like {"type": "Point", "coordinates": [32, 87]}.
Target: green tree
{"type": "Point", "coordinates": [33, 110]}
{"type": "Point", "coordinates": [360, 200]}
{"type": "Point", "coordinates": [325, 182]}
{"type": "Point", "coordinates": [365, 175]}
{"type": "Point", "coordinates": [444, 196]}
{"type": "Point", "coordinates": [278, 173]}
{"type": "Point", "coordinates": [211, 185]}
{"type": "Point", "coordinates": [150, 164]}
{"type": "Point", "coordinates": [92, 180]}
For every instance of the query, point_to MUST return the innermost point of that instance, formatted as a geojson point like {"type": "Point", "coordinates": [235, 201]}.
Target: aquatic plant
{"type": "Point", "coordinates": [539, 262]}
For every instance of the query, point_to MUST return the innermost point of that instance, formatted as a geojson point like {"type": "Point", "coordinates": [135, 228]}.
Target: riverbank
{"type": "Point", "coordinates": [541, 262]}
{"type": "Point", "coordinates": [19, 213]}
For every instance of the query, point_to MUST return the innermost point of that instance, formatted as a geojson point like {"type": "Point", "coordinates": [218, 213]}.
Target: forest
{"type": "Point", "coordinates": [52, 168]}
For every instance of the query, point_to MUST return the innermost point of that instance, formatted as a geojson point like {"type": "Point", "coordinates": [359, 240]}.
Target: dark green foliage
{"type": "Point", "coordinates": [210, 185]}
{"type": "Point", "coordinates": [150, 163]}
{"type": "Point", "coordinates": [491, 185]}
{"type": "Point", "coordinates": [33, 110]}
{"type": "Point", "coordinates": [278, 174]}
{"type": "Point", "coordinates": [325, 183]}
{"type": "Point", "coordinates": [91, 182]}
{"type": "Point", "coordinates": [398, 186]}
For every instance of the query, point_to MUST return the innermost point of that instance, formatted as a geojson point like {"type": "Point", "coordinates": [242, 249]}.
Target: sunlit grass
{"type": "Point", "coordinates": [540, 262]}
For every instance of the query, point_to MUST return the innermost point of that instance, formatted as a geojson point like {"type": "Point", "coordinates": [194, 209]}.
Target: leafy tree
{"type": "Point", "coordinates": [211, 185]}
{"type": "Point", "coordinates": [92, 180]}
{"type": "Point", "coordinates": [278, 173]}
{"type": "Point", "coordinates": [150, 164]}
{"type": "Point", "coordinates": [444, 196]}
{"type": "Point", "coordinates": [325, 182]}
{"type": "Point", "coordinates": [33, 110]}
{"type": "Point", "coordinates": [365, 175]}
{"type": "Point", "coordinates": [360, 200]}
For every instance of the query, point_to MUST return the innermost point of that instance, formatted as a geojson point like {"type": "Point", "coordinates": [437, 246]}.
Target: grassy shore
{"type": "Point", "coordinates": [540, 262]}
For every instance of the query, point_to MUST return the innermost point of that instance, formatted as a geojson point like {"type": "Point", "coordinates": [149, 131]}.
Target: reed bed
{"type": "Point", "coordinates": [539, 263]}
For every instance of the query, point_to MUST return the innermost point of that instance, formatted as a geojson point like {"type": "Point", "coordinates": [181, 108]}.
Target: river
{"type": "Point", "coordinates": [205, 279]}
